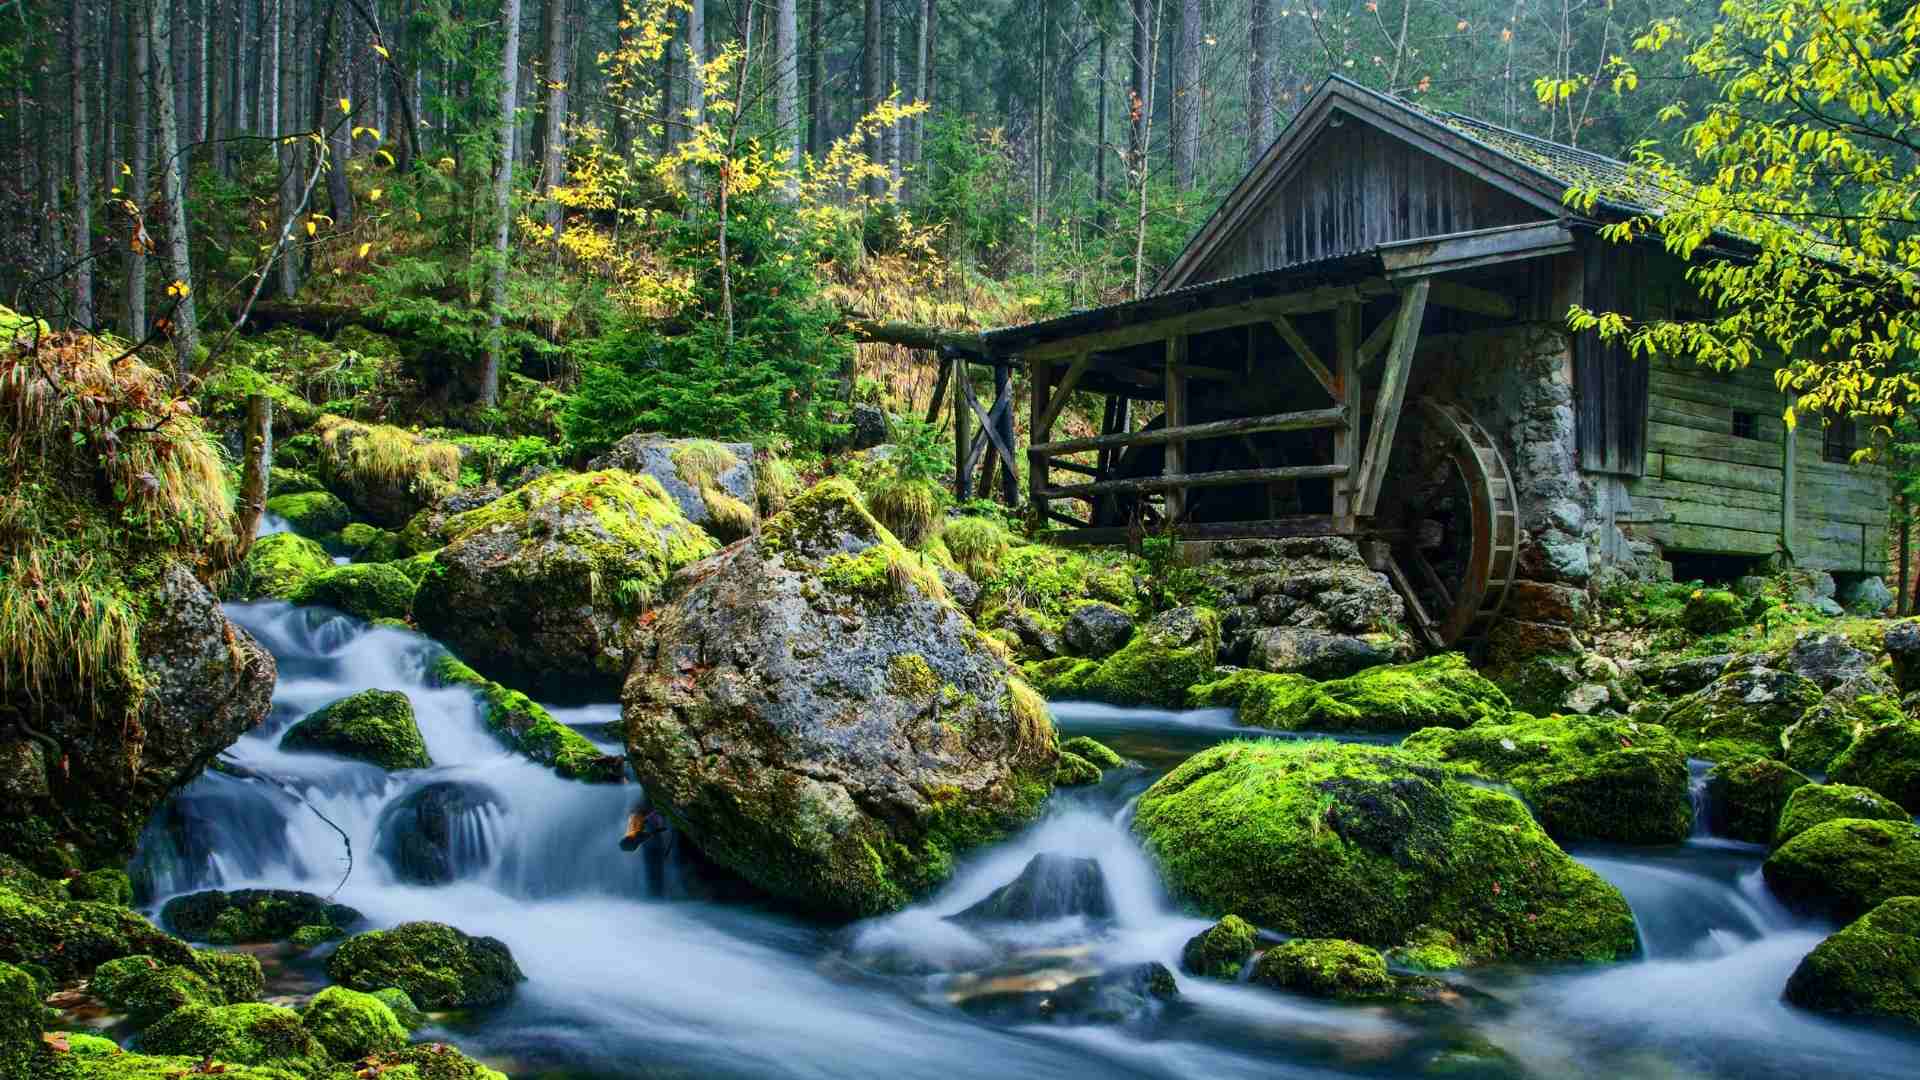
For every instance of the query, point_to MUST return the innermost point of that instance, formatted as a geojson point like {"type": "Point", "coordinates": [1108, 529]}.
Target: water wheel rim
{"type": "Point", "coordinates": [1472, 608]}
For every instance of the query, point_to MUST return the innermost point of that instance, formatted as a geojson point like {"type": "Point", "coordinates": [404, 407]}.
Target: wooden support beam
{"type": "Point", "coordinates": [1298, 525]}
{"type": "Point", "coordinates": [940, 389]}
{"type": "Point", "coordinates": [1173, 482]}
{"type": "Point", "coordinates": [1452, 294]}
{"type": "Point", "coordinates": [1377, 341]}
{"type": "Point", "coordinates": [1072, 466]}
{"type": "Point", "coordinates": [1291, 335]}
{"type": "Point", "coordinates": [1003, 433]}
{"type": "Point", "coordinates": [962, 435]}
{"type": "Point", "coordinates": [1040, 379]}
{"type": "Point", "coordinates": [1176, 456]}
{"type": "Point", "coordinates": [1056, 398]}
{"type": "Point", "coordinates": [1393, 394]}
{"type": "Point", "coordinates": [1223, 317]}
{"type": "Point", "coordinates": [1212, 429]}
{"type": "Point", "coordinates": [1482, 247]}
{"type": "Point", "coordinates": [1346, 437]}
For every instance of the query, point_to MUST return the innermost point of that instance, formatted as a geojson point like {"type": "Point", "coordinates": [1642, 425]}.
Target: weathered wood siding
{"type": "Point", "coordinates": [1707, 490]}
{"type": "Point", "coordinates": [1611, 408]}
{"type": "Point", "coordinates": [1354, 188]}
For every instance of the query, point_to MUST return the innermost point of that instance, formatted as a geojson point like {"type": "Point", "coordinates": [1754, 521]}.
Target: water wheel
{"type": "Point", "coordinates": [1455, 558]}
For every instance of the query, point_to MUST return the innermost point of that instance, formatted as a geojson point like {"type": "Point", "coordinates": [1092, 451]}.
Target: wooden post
{"type": "Point", "coordinates": [1346, 391]}
{"type": "Point", "coordinates": [962, 433]}
{"type": "Point", "coordinates": [1789, 453]}
{"type": "Point", "coordinates": [1040, 381]}
{"type": "Point", "coordinates": [1393, 395]}
{"type": "Point", "coordinates": [1003, 399]}
{"type": "Point", "coordinates": [1176, 459]}
{"type": "Point", "coordinates": [939, 398]}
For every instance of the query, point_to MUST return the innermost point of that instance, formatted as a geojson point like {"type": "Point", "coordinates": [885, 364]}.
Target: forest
{"type": "Point", "coordinates": [588, 539]}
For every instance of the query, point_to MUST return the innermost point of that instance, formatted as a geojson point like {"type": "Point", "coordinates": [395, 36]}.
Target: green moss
{"type": "Point", "coordinates": [1746, 710]}
{"type": "Point", "coordinates": [1817, 738]}
{"type": "Point", "coordinates": [1587, 778]}
{"type": "Point", "coordinates": [1714, 611]}
{"type": "Point", "coordinates": [642, 533]}
{"type": "Point", "coordinates": [1870, 968]}
{"type": "Point", "coordinates": [352, 1025]}
{"type": "Point", "coordinates": [316, 514]}
{"type": "Point", "coordinates": [1847, 866]}
{"type": "Point", "coordinates": [1886, 758]}
{"type": "Point", "coordinates": [1049, 581]}
{"type": "Point", "coordinates": [1746, 797]}
{"type": "Point", "coordinates": [1219, 951]}
{"type": "Point", "coordinates": [910, 676]}
{"type": "Point", "coordinates": [701, 462]}
{"type": "Point", "coordinates": [1177, 649]}
{"type": "Point", "coordinates": [1094, 751]}
{"type": "Point", "coordinates": [109, 886]}
{"type": "Point", "coordinates": [522, 724]}
{"type": "Point", "coordinates": [910, 509]}
{"type": "Point", "coordinates": [73, 937]}
{"type": "Point", "coordinates": [1370, 843]}
{"type": "Point", "coordinates": [1326, 968]}
{"type": "Point", "coordinates": [291, 482]}
{"type": "Point", "coordinates": [375, 726]}
{"type": "Point", "coordinates": [431, 1061]}
{"type": "Point", "coordinates": [147, 990]}
{"type": "Point", "coordinates": [369, 543]}
{"type": "Point", "coordinates": [299, 452]}
{"type": "Point", "coordinates": [1075, 771]}
{"type": "Point", "coordinates": [403, 1007]}
{"type": "Point", "coordinates": [236, 975]}
{"type": "Point", "coordinates": [246, 916]}
{"type": "Point", "coordinates": [436, 965]}
{"type": "Point", "coordinates": [276, 566]}
{"type": "Point", "coordinates": [22, 1018]}
{"type": "Point", "coordinates": [250, 1034]}
{"type": "Point", "coordinates": [883, 573]}
{"type": "Point", "coordinates": [1441, 691]}
{"type": "Point", "coordinates": [1427, 949]}
{"type": "Point", "coordinates": [1815, 804]}
{"type": "Point", "coordinates": [368, 590]}
{"type": "Point", "coordinates": [316, 935]}
{"type": "Point", "coordinates": [977, 545]}
{"type": "Point", "coordinates": [110, 1063]}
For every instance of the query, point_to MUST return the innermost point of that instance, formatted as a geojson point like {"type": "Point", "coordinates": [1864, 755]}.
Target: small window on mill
{"type": "Point", "coordinates": [1745, 425]}
{"type": "Point", "coordinates": [1838, 444]}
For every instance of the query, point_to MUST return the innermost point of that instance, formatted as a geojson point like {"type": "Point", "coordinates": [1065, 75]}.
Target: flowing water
{"type": "Point", "coordinates": [638, 966]}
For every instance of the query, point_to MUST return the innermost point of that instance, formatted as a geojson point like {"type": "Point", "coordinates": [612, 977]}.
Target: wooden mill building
{"type": "Point", "coordinates": [1369, 338]}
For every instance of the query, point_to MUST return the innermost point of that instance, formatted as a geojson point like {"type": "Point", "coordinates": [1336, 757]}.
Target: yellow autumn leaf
{"type": "Point", "coordinates": [346, 105]}
{"type": "Point", "coordinates": [364, 248]}
{"type": "Point", "coordinates": [312, 229]}
{"type": "Point", "coordinates": [374, 195]}
{"type": "Point", "coordinates": [382, 50]}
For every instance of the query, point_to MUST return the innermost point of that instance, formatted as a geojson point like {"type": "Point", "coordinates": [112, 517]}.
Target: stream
{"type": "Point", "coordinates": [639, 965]}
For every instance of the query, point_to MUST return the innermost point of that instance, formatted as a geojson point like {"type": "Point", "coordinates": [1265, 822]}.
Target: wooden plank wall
{"type": "Point", "coordinates": [1357, 187]}
{"type": "Point", "coordinates": [1706, 490]}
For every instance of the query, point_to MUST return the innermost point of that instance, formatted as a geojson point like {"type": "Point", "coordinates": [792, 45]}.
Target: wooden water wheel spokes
{"type": "Point", "coordinates": [1464, 603]}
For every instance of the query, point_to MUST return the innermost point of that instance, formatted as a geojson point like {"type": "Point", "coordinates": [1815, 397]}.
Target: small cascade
{"type": "Point", "coordinates": [1697, 771]}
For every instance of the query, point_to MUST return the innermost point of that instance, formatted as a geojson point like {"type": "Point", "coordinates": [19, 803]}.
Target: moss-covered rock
{"type": "Point", "coordinates": [1813, 742]}
{"type": "Point", "coordinates": [1095, 752]}
{"type": "Point", "coordinates": [521, 723]}
{"type": "Point", "coordinates": [1175, 650]}
{"type": "Point", "coordinates": [544, 587]}
{"type": "Point", "coordinates": [1886, 758]}
{"type": "Point", "coordinates": [1870, 968]}
{"type": "Point", "coordinates": [249, 1034]}
{"type": "Point", "coordinates": [1373, 844]}
{"type": "Point", "coordinates": [1440, 691]}
{"type": "Point", "coordinates": [389, 474]}
{"type": "Point", "coordinates": [1587, 778]}
{"type": "Point", "coordinates": [402, 1007]}
{"type": "Point", "coordinates": [1221, 950]}
{"type": "Point", "coordinates": [73, 937]}
{"type": "Point", "coordinates": [237, 975]}
{"type": "Point", "coordinates": [315, 935]}
{"type": "Point", "coordinates": [436, 965]}
{"type": "Point", "coordinates": [1713, 611]}
{"type": "Point", "coordinates": [1847, 866]}
{"type": "Point", "coordinates": [1075, 771]}
{"type": "Point", "coordinates": [871, 732]}
{"type": "Point", "coordinates": [318, 515]}
{"type": "Point", "coordinates": [430, 1061]}
{"type": "Point", "coordinates": [1815, 804]}
{"type": "Point", "coordinates": [1326, 968]}
{"type": "Point", "coordinates": [1750, 706]}
{"type": "Point", "coordinates": [351, 1025]}
{"type": "Point", "coordinates": [108, 885]}
{"type": "Point", "coordinates": [247, 916]}
{"type": "Point", "coordinates": [147, 990]}
{"type": "Point", "coordinates": [22, 1018]}
{"type": "Point", "coordinates": [368, 590]}
{"type": "Point", "coordinates": [1745, 797]}
{"type": "Point", "coordinates": [1428, 949]}
{"type": "Point", "coordinates": [276, 567]}
{"type": "Point", "coordinates": [290, 481]}
{"type": "Point", "coordinates": [370, 543]}
{"type": "Point", "coordinates": [375, 726]}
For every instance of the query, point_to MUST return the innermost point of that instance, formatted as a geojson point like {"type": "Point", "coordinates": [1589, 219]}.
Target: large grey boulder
{"type": "Point", "coordinates": [1096, 630]}
{"type": "Point", "coordinates": [815, 714]}
{"type": "Point", "coordinates": [712, 481]}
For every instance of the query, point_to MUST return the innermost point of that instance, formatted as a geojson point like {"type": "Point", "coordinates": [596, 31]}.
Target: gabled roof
{"type": "Point", "coordinates": [1535, 170]}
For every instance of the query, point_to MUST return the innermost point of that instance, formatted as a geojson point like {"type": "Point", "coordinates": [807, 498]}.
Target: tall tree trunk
{"type": "Point", "coordinates": [1140, 85]}
{"type": "Point", "coordinates": [110, 60]}
{"type": "Point", "coordinates": [696, 62]}
{"type": "Point", "coordinates": [871, 67]}
{"type": "Point", "coordinates": [332, 70]}
{"type": "Point", "coordinates": [1186, 96]}
{"type": "Point", "coordinates": [1100, 139]}
{"type": "Point", "coordinates": [139, 126]}
{"type": "Point", "coordinates": [1259, 79]}
{"type": "Point", "coordinates": [293, 155]}
{"type": "Point", "coordinates": [816, 80]}
{"type": "Point", "coordinates": [553, 118]}
{"type": "Point", "coordinates": [185, 328]}
{"type": "Point", "coordinates": [79, 73]}
{"type": "Point", "coordinates": [923, 79]}
{"type": "Point", "coordinates": [273, 26]}
{"type": "Point", "coordinates": [503, 201]}
{"type": "Point", "coordinates": [217, 104]}
{"type": "Point", "coordinates": [893, 84]}
{"type": "Point", "coordinates": [786, 79]}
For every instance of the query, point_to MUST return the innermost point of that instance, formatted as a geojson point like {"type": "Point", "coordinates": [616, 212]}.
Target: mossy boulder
{"type": "Point", "coordinates": [433, 835]}
{"type": "Point", "coordinates": [22, 1018]}
{"type": "Point", "coordinates": [1816, 804]}
{"type": "Point", "coordinates": [1427, 950]}
{"type": "Point", "coordinates": [237, 975]}
{"type": "Point", "coordinates": [1092, 750]}
{"type": "Point", "coordinates": [1750, 706]}
{"type": "Point", "coordinates": [387, 473]}
{"type": "Point", "coordinates": [1373, 844]}
{"type": "Point", "coordinates": [429, 1061]}
{"type": "Point", "coordinates": [522, 724]}
{"type": "Point", "coordinates": [1744, 798]}
{"type": "Point", "coordinates": [845, 730]}
{"type": "Point", "coordinates": [146, 990]}
{"type": "Point", "coordinates": [374, 726]}
{"type": "Point", "coordinates": [314, 935]}
{"type": "Point", "coordinates": [713, 483]}
{"type": "Point", "coordinates": [436, 965]}
{"type": "Point", "coordinates": [1440, 691]}
{"type": "Point", "coordinates": [352, 1025]}
{"type": "Point", "coordinates": [368, 590]}
{"type": "Point", "coordinates": [248, 1034]}
{"type": "Point", "coordinates": [1176, 649]}
{"type": "Point", "coordinates": [544, 587]}
{"type": "Point", "coordinates": [108, 885]}
{"type": "Point", "coordinates": [290, 481]}
{"type": "Point", "coordinates": [71, 938]}
{"type": "Point", "coordinates": [1886, 758]}
{"type": "Point", "coordinates": [1847, 866]}
{"type": "Point", "coordinates": [1587, 778]}
{"type": "Point", "coordinates": [370, 543]}
{"type": "Point", "coordinates": [276, 566]}
{"type": "Point", "coordinates": [1221, 950]}
{"type": "Point", "coordinates": [1713, 611]}
{"type": "Point", "coordinates": [1327, 968]}
{"type": "Point", "coordinates": [1817, 739]}
{"type": "Point", "coordinates": [1095, 629]}
{"type": "Point", "coordinates": [248, 916]}
{"type": "Point", "coordinates": [317, 515]}
{"type": "Point", "coordinates": [403, 1008]}
{"type": "Point", "coordinates": [1870, 968]}
{"type": "Point", "coordinates": [1075, 771]}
